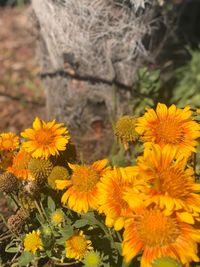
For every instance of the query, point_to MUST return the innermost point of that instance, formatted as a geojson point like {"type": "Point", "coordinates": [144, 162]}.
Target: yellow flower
{"type": "Point", "coordinates": [172, 182]}
{"type": "Point", "coordinates": [20, 165]}
{"type": "Point", "coordinates": [33, 242]}
{"type": "Point", "coordinates": [125, 130]}
{"type": "Point", "coordinates": [111, 190]}
{"type": "Point", "coordinates": [92, 259]}
{"type": "Point", "coordinates": [172, 126]}
{"type": "Point", "coordinates": [57, 217]}
{"type": "Point", "coordinates": [8, 141]}
{"type": "Point", "coordinates": [45, 139]}
{"type": "Point", "coordinates": [82, 192]}
{"type": "Point", "coordinates": [77, 246]}
{"type": "Point", "coordinates": [157, 235]}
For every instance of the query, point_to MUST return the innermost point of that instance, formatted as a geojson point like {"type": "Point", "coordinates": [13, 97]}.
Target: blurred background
{"type": "Point", "coordinates": [170, 74]}
{"type": "Point", "coordinates": [21, 93]}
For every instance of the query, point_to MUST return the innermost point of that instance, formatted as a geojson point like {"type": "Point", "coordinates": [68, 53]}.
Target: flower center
{"type": "Point", "coordinates": [85, 178]}
{"type": "Point", "coordinates": [7, 144]}
{"type": "Point", "coordinates": [156, 229]}
{"type": "Point", "coordinates": [174, 182]}
{"type": "Point", "coordinates": [33, 242]}
{"type": "Point", "coordinates": [79, 244]}
{"type": "Point", "coordinates": [44, 137]}
{"type": "Point", "coordinates": [169, 132]}
{"type": "Point", "coordinates": [57, 217]}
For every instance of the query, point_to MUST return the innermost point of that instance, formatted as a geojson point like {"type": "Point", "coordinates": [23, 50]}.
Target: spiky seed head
{"type": "Point", "coordinates": [58, 173]}
{"type": "Point", "coordinates": [166, 262]}
{"type": "Point", "coordinates": [125, 129]}
{"type": "Point", "coordinates": [8, 182]}
{"type": "Point", "coordinates": [14, 225]}
{"type": "Point", "coordinates": [40, 169]}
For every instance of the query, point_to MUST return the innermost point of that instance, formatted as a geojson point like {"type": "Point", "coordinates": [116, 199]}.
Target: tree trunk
{"type": "Point", "coordinates": [90, 51]}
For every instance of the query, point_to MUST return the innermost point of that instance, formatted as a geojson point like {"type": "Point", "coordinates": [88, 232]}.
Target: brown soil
{"type": "Point", "coordinates": [21, 94]}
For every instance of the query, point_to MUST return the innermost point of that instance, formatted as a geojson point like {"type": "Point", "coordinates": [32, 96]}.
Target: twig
{"type": "Point", "coordinates": [66, 264]}
{"type": "Point", "coordinates": [6, 237]}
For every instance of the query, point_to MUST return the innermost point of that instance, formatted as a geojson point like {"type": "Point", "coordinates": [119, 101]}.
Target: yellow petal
{"type": "Point", "coordinates": [37, 124]}
{"type": "Point", "coordinates": [185, 217]}
{"type": "Point", "coordinates": [62, 184]}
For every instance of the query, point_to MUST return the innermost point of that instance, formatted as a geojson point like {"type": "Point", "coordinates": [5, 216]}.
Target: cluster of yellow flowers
{"type": "Point", "coordinates": [156, 202]}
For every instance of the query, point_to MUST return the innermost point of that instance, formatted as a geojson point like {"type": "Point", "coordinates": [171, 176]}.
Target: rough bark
{"type": "Point", "coordinates": [89, 53]}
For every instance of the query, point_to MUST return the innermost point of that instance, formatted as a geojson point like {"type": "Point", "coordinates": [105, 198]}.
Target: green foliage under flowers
{"type": "Point", "coordinates": [187, 87]}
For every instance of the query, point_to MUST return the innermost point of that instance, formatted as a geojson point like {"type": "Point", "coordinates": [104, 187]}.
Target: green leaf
{"type": "Point", "coordinates": [11, 249]}
{"type": "Point", "coordinates": [51, 204]}
{"type": "Point", "coordinates": [67, 233]}
{"type": "Point", "coordinates": [118, 246]}
{"type": "Point", "coordinates": [39, 218]}
{"type": "Point", "coordinates": [48, 252]}
{"type": "Point", "coordinates": [25, 258]}
{"type": "Point", "coordinates": [80, 223]}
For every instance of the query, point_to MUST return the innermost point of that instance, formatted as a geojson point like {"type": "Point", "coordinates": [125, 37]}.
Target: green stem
{"type": "Point", "coordinates": [39, 210]}
{"type": "Point", "coordinates": [43, 211]}
{"type": "Point", "coordinates": [66, 264]}
{"type": "Point", "coordinates": [6, 237]}
{"type": "Point", "coordinates": [119, 236]}
{"type": "Point", "coordinates": [14, 200]}
{"type": "Point", "coordinates": [45, 215]}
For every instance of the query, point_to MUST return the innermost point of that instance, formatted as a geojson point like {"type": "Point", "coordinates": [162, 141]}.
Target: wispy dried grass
{"type": "Point", "coordinates": [97, 37]}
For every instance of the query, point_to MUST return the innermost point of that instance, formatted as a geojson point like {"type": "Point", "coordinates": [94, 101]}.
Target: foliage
{"type": "Point", "coordinates": [187, 87]}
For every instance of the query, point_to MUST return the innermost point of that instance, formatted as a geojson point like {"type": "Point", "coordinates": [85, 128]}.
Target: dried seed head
{"type": "Point", "coordinates": [40, 169]}
{"type": "Point", "coordinates": [17, 221]}
{"type": "Point", "coordinates": [8, 182]}
{"type": "Point", "coordinates": [125, 129]}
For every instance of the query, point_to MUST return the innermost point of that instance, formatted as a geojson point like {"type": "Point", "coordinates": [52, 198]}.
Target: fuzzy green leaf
{"type": "Point", "coordinates": [25, 258]}
{"type": "Point", "coordinates": [11, 249]}
{"type": "Point", "coordinates": [51, 204]}
{"type": "Point", "coordinates": [81, 223]}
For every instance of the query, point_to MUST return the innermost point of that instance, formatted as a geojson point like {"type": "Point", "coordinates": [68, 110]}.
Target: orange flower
{"type": "Point", "coordinates": [8, 141]}
{"type": "Point", "coordinates": [82, 192]}
{"type": "Point", "coordinates": [172, 126]}
{"type": "Point", "coordinates": [156, 235]}
{"type": "Point", "coordinates": [20, 165]}
{"type": "Point", "coordinates": [172, 184]}
{"type": "Point", "coordinates": [45, 139]}
{"type": "Point", "coordinates": [114, 185]}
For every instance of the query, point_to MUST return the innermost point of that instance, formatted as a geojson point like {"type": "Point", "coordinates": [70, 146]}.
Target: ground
{"type": "Point", "coordinates": [21, 93]}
